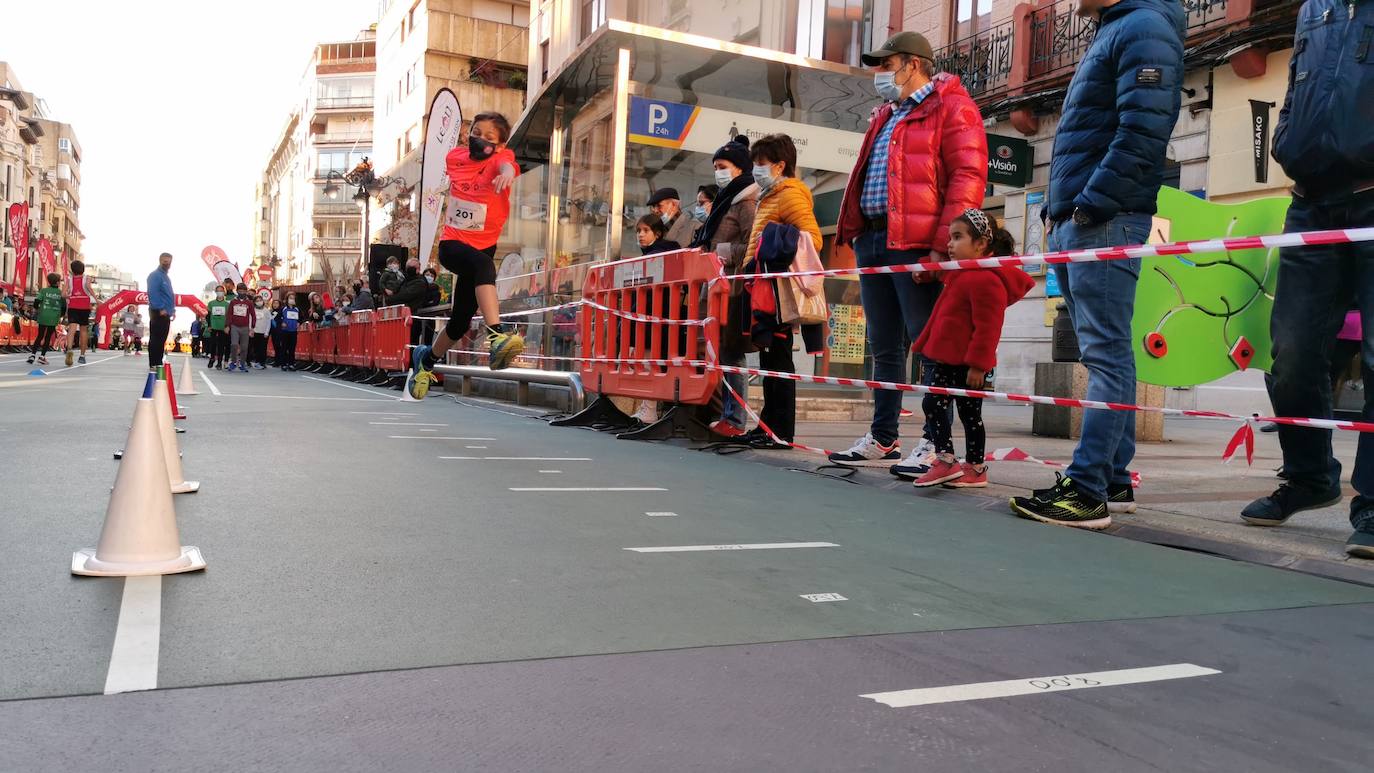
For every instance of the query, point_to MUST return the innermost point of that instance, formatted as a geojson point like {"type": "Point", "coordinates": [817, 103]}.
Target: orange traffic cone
{"type": "Point", "coordinates": [171, 390]}
{"type": "Point", "coordinates": [186, 385]}
{"type": "Point", "coordinates": [163, 409]}
{"type": "Point", "coordinates": [140, 534]}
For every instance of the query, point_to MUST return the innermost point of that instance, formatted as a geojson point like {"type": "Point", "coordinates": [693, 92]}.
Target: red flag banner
{"type": "Point", "coordinates": [46, 259]}
{"type": "Point", "coordinates": [19, 235]}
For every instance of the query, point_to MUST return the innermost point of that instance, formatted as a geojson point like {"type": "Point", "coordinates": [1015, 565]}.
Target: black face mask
{"type": "Point", "coordinates": [479, 149]}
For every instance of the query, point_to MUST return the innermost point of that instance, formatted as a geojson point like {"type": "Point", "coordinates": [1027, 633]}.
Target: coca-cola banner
{"type": "Point", "coordinates": [46, 259]}
{"type": "Point", "coordinates": [19, 236]}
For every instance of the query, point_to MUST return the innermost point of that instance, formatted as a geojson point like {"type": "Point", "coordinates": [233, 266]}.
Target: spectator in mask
{"type": "Point", "coordinates": [262, 325]}
{"type": "Point", "coordinates": [392, 278]}
{"type": "Point", "coordinates": [706, 195]}
{"type": "Point", "coordinates": [726, 233]}
{"type": "Point", "coordinates": [362, 298]}
{"type": "Point", "coordinates": [666, 204]}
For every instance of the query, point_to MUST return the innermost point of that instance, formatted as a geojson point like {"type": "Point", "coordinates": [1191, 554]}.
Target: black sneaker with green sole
{"type": "Point", "coordinates": [1068, 506]}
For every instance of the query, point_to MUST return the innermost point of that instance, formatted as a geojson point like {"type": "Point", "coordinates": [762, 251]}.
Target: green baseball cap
{"type": "Point", "coordinates": [913, 43]}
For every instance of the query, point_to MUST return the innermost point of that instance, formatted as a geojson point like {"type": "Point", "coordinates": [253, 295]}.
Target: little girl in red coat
{"type": "Point", "coordinates": [961, 337]}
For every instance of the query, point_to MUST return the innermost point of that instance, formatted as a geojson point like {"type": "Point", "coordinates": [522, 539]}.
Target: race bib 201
{"type": "Point", "coordinates": [465, 215]}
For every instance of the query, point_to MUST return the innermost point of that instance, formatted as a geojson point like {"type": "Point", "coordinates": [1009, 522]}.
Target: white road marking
{"type": "Point", "coordinates": [476, 448]}
{"type": "Point", "coordinates": [545, 472]}
{"type": "Point", "coordinates": [516, 458]}
{"type": "Point", "coordinates": [214, 390]}
{"type": "Point", "coordinates": [925, 696]}
{"type": "Point", "coordinates": [819, 597]}
{"type": "Point", "coordinates": [350, 386]}
{"type": "Point", "coordinates": [590, 488]}
{"type": "Point", "coordinates": [405, 424]}
{"type": "Point", "coordinates": [316, 397]}
{"type": "Point", "coordinates": [661, 515]}
{"type": "Point", "coordinates": [383, 413]}
{"type": "Point", "coordinates": [756, 546]}
{"type": "Point", "coordinates": [133, 660]}
{"type": "Point", "coordinates": [435, 437]}
{"type": "Point", "coordinates": [429, 430]}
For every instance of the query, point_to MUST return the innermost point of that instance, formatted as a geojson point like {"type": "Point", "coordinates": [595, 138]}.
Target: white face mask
{"type": "Point", "coordinates": [723, 177]}
{"type": "Point", "coordinates": [763, 175]}
{"type": "Point", "coordinates": [886, 85]}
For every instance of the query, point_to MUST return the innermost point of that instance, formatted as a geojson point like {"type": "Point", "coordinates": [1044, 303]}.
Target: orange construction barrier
{"type": "Point", "coordinates": [390, 338]}
{"type": "Point", "coordinates": [672, 285]}
{"type": "Point", "coordinates": [356, 340]}
{"type": "Point", "coordinates": [305, 343]}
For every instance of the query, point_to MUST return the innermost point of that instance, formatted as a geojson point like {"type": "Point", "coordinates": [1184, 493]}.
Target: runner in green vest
{"type": "Point", "coordinates": [50, 305]}
{"type": "Point", "coordinates": [219, 332]}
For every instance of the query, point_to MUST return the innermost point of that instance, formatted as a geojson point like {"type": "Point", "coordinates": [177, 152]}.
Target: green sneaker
{"type": "Point", "coordinates": [1068, 506]}
{"type": "Point", "coordinates": [504, 348]}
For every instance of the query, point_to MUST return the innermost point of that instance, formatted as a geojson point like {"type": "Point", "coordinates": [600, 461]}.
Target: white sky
{"type": "Point", "coordinates": [176, 104]}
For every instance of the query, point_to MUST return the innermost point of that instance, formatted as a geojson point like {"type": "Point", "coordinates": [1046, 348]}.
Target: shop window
{"type": "Point", "coordinates": [848, 24]}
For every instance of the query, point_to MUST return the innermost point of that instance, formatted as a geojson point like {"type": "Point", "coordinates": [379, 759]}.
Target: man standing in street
{"type": "Point", "coordinates": [1105, 173]}
{"type": "Point", "coordinates": [1324, 140]}
{"type": "Point", "coordinates": [668, 206]}
{"type": "Point", "coordinates": [923, 162]}
{"type": "Point", "coordinates": [162, 306]}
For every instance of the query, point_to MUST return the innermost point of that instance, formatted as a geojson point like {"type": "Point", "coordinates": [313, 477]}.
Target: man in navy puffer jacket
{"type": "Point", "coordinates": [1325, 141]}
{"type": "Point", "coordinates": [1105, 173]}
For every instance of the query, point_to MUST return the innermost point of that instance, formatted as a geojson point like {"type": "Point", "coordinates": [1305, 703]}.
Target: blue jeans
{"type": "Point", "coordinates": [896, 310]}
{"type": "Point", "coordinates": [731, 411]}
{"type": "Point", "coordinates": [1316, 286]}
{"type": "Point", "coordinates": [1101, 300]}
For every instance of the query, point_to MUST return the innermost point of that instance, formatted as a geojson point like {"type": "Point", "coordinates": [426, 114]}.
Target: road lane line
{"type": "Point", "coordinates": [429, 430]}
{"type": "Point", "coordinates": [662, 514]}
{"type": "Point", "coordinates": [925, 696]}
{"type": "Point", "coordinates": [519, 458]}
{"type": "Point", "coordinates": [214, 390]}
{"type": "Point", "coordinates": [133, 660]}
{"type": "Point", "coordinates": [405, 424]}
{"type": "Point", "coordinates": [476, 448]}
{"type": "Point", "coordinates": [587, 488]}
{"type": "Point", "coordinates": [383, 413]}
{"type": "Point", "coordinates": [435, 437]}
{"type": "Point", "coordinates": [350, 386]}
{"type": "Point", "coordinates": [755, 546]}
{"type": "Point", "coordinates": [544, 472]}
{"type": "Point", "coordinates": [315, 397]}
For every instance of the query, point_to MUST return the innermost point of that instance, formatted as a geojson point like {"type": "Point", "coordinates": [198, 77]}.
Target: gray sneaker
{"type": "Point", "coordinates": [1287, 500]}
{"type": "Point", "coordinates": [1361, 543]}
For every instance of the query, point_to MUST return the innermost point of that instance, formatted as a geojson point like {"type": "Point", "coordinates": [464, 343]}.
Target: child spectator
{"type": "Point", "coordinates": [219, 330]}
{"type": "Point", "coordinates": [242, 318]}
{"type": "Point", "coordinates": [196, 335]}
{"type": "Point", "coordinates": [961, 338]}
{"type": "Point", "coordinates": [50, 305]}
{"type": "Point", "coordinates": [288, 322]}
{"type": "Point", "coordinates": [261, 327]}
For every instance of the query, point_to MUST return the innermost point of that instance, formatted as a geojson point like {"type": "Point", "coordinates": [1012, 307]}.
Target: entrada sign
{"type": "Point", "coordinates": [1009, 161]}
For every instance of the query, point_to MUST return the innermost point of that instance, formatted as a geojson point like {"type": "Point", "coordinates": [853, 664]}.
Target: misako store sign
{"type": "Point", "coordinates": [1009, 161]}
{"type": "Point", "coordinates": [702, 129]}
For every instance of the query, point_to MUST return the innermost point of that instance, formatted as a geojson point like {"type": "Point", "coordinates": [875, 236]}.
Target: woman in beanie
{"type": "Point", "coordinates": [726, 233]}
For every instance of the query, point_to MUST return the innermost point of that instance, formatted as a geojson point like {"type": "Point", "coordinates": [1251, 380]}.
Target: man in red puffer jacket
{"type": "Point", "coordinates": [923, 162]}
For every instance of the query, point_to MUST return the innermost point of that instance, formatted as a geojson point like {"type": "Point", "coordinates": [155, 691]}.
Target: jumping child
{"type": "Point", "coordinates": [49, 304]}
{"type": "Point", "coordinates": [480, 179]}
{"type": "Point", "coordinates": [961, 337]}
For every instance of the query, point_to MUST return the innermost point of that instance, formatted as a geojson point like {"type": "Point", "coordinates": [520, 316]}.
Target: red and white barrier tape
{"type": "Point", "coordinates": [645, 317]}
{"type": "Point", "coordinates": [1017, 455]}
{"type": "Point", "coordinates": [1198, 247]}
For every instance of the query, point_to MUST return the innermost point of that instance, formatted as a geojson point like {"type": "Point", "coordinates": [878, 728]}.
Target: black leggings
{"type": "Point", "coordinates": [471, 268]}
{"type": "Point", "coordinates": [43, 343]}
{"type": "Point", "coordinates": [936, 408]}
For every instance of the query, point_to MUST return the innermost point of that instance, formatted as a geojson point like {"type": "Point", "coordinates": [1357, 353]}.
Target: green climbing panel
{"type": "Point", "coordinates": [1201, 317]}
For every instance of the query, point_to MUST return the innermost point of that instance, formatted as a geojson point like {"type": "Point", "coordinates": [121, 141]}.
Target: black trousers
{"type": "Point", "coordinates": [779, 394]}
{"type": "Point", "coordinates": [936, 408]}
{"type": "Point", "coordinates": [43, 342]}
{"type": "Point", "coordinates": [158, 327]}
{"type": "Point", "coordinates": [195, 346]}
{"type": "Point", "coordinates": [257, 349]}
{"type": "Point", "coordinates": [286, 354]}
{"type": "Point", "coordinates": [219, 345]}
{"type": "Point", "coordinates": [471, 268]}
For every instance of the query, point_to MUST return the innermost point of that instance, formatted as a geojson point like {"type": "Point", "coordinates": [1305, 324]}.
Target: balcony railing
{"type": "Point", "coordinates": [336, 243]}
{"type": "Point", "coordinates": [1059, 38]}
{"type": "Point", "coordinates": [1204, 12]}
{"type": "Point", "coordinates": [333, 103]}
{"type": "Point", "coordinates": [982, 61]}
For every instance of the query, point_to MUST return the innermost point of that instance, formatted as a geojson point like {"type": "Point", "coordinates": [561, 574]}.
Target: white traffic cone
{"type": "Point", "coordinates": [163, 409]}
{"type": "Point", "coordinates": [140, 534]}
{"type": "Point", "coordinates": [186, 384]}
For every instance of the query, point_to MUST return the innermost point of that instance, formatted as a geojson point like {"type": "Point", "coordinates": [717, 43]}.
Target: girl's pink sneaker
{"type": "Point", "coordinates": [940, 471]}
{"type": "Point", "coordinates": [970, 477]}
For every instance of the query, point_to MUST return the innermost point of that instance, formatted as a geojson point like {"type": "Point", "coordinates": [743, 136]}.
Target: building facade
{"type": "Point", "coordinates": [40, 160]}
{"type": "Point", "coordinates": [475, 48]}
{"type": "Point", "coordinates": [106, 280]}
{"type": "Point", "coordinates": [306, 225]}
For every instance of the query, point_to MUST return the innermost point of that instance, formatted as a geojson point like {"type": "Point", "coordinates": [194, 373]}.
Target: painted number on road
{"type": "Point", "coordinates": [818, 597]}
